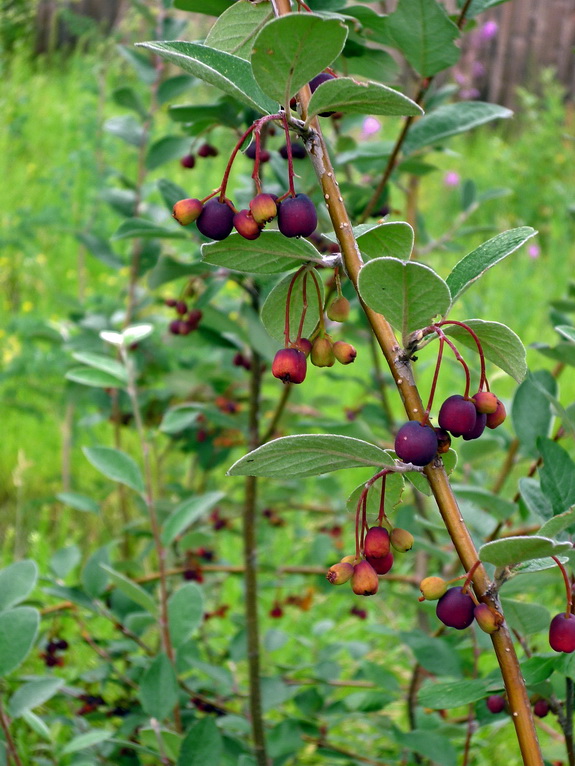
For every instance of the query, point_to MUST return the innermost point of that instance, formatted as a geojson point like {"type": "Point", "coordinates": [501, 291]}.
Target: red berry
{"type": "Point", "coordinates": [382, 565]}
{"type": "Point", "coordinates": [541, 708]}
{"type": "Point", "coordinates": [457, 415]}
{"type": "Point", "coordinates": [485, 402]}
{"type": "Point", "coordinates": [297, 216]}
{"type": "Point", "coordinates": [186, 211]}
{"type": "Point", "coordinates": [364, 580]}
{"type": "Point", "coordinates": [562, 633]}
{"type": "Point", "coordinates": [245, 225]}
{"type": "Point", "coordinates": [416, 443]}
{"type": "Point", "coordinates": [181, 307]}
{"type": "Point", "coordinates": [376, 543]}
{"type": "Point", "coordinates": [304, 345]}
{"type": "Point", "coordinates": [340, 573]}
{"type": "Point", "coordinates": [289, 365]}
{"type": "Point", "coordinates": [455, 609]}
{"type": "Point", "coordinates": [216, 220]}
{"type": "Point", "coordinates": [207, 150]}
{"type": "Point", "coordinates": [495, 703]}
{"type": "Point", "coordinates": [496, 418]}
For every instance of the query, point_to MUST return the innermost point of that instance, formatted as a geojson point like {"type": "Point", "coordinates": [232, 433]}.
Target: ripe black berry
{"type": "Point", "coordinates": [455, 609]}
{"type": "Point", "coordinates": [297, 216]}
{"type": "Point", "coordinates": [416, 443]}
{"type": "Point", "coordinates": [316, 82]}
{"type": "Point", "coordinates": [216, 220]}
{"type": "Point", "coordinates": [298, 151]}
{"type": "Point", "coordinates": [457, 415]}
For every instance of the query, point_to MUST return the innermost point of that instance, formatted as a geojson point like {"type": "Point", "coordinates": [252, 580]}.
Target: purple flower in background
{"type": "Point", "coordinates": [489, 30]}
{"type": "Point", "coordinates": [477, 69]}
{"type": "Point", "coordinates": [370, 127]}
{"type": "Point", "coordinates": [534, 251]}
{"type": "Point", "coordinates": [451, 178]}
{"type": "Point", "coordinates": [468, 94]}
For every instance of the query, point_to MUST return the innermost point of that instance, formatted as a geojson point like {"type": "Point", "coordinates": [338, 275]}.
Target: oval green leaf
{"type": "Point", "coordinates": [235, 30]}
{"type": "Point", "coordinates": [116, 465]}
{"type": "Point", "coordinates": [187, 512]}
{"type": "Point", "coordinates": [131, 589]}
{"type": "Point", "coordinates": [105, 363]}
{"type": "Point", "coordinates": [394, 240]}
{"type": "Point", "coordinates": [344, 94]}
{"type": "Point", "coordinates": [88, 376]}
{"type": "Point", "coordinates": [17, 581]}
{"type": "Point", "coordinates": [185, 612]}
{"type": "Point", "coordinates": [514, 550]}
{"type": "Point", "coordinates": [159, 688]}
{"type": "Point", "coordinates": [18, 629]}
{"type": "Point", "coordinates": [270, 253]}
{"type": "Point", "coordinates": [33, 694]}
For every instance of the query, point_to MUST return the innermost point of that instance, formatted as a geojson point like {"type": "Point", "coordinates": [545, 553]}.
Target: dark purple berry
{"type": "Point", "coordinates": [188, 161]}
{"type": "Point", "coordinates": [455, 609]}
{"type": "Point", "coordinates": [562, 633]}
{"type": "Point", "coordinates": [174, 327]}
{"type": "Point", "coordinates": [181, 307]}
{"type": "Point", "coordinates": [216, 220]}
{"type": "Point", "coordinates": [478, 429]}
{"type": "Point", "coordinates": [298, 151]}
{"type": "Point", "coordinates": [250, 152]}
{"type": "Point", "coordinates": [297, 216]}
{"type": "Point", "coordinates": [416, 443]}
{"type": "Point", "coordinates": [457, 415]}
{"type": "Point", "coordinates": [207, 150]}
{"type": "Point", "coordinates": [541, 708]}
{"type": "Point", "coordinates": [495, 703]}
{"type": "Point", "coordinates": [316, 82]}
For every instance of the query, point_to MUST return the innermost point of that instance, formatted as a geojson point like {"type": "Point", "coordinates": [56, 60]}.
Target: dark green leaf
{"type": "Point", "coordinates": [166, 149]}
{"type": "Point", "coordinates": [434, 654]}
{"type": "Point", "coordinates": [525, 617]}
{"type": "Point", "coordinates": [18, 629]}
{"type": "Point", "coordinates": [270, 253]}
{"type": "Point", "coordinates": [116, 465]}
{"type": "Point", "coordinates": [185, 612]}
{"type": "Point", "coordinates": [159, 688]}
{"type": "Point", "coordinates": [429, 744]}
{"type": "Point", "coordinates": [394, 239]}
{"type": "Point", "coordinates": [17, 581]}
{"type": "Point", "coordinates": [535, 670]}
{"type": "Point", "coordinates": [449, 694]}
{"type": "Point", "coordinates": [209, 7]}
{"type": "Point", "coordinates": [289, 51]}
{"type": "Point", "coordinates": [94, 578]}
{"type": "Point", "coordinates": [33, 694]}
{"type": "Point", "coordinates": [128, 98]}
{"type": "Point", "coordinates": [476, 263]}
{"type": "Point", "coordinates": [230, 74]}
{"type": "Point", "coordinates": [101, 250]}
{"type": "Point", "coordinates": [131, 589]}
{"type": "Point", "coordinates": [531, 410]}
{"type": "Point", "coordinates": [557, 475]}
{"type": "Point", "coordinates": [449, 120]}
{"type": "Point", "coordinates": [309, 455]}
{"type": "Point", "coordinates": [202, 744]}
{"type": "Point", "coordinates": [345, 94]}
{"type": "Point", "coordinates": [174, 87]}
{"type": "Point", "coordinates": [88, 376]}
{"type": "Point", "coordinates": [140, 227]}
{"type": "Point", "coordinates": [408, 294]}
{"type": "Point", "coordinates": [186, 513]}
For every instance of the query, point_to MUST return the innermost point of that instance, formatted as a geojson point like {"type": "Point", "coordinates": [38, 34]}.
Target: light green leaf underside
{"type": "Point", "coordinates": [270, 253]}
{"type": "Point", "coordinates": [236, 28]}
{"type": "Point", "coordinates": [513, 550]}
{"type": "Point", "coordinates": [344, 94]}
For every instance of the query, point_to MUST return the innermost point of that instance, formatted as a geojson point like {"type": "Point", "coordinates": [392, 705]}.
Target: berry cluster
{"type": "Point", "coordinates": [51, 655]}
{"type": "Point", "coordinates": [188, 161]}
{"type": "Point", "coordinates": [460, 415]}
{"type": "Point", "coordinates": [496, 703]}
{"type": "Point", "coordinates": [187, 320]}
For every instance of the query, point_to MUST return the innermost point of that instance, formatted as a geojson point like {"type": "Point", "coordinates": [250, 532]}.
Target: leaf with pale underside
{"type": "Point", "coordinates": [270, 253]}
{"type": "Point", "coordinates": [237, 27]}
{"type": "Point", "coordinates": [514, 550]}
{"type": "Point", "coordinates": [344, 94]}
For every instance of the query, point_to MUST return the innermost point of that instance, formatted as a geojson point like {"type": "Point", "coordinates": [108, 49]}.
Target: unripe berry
{"type": "Point", "coordinates": [485, 402]}
{"type": "Point", "coordinates": [245, 225]}
{"type": "Point", "coordinates": [376, 544]}
{"type": "Point", "coordinates": [364, 580]}
{"type": "Point", "coordinates": [496, 418]}
{"type": "Point", "coordinates": [541, 708]}
{"type": "Point", "coordinates": [432, 588]}
{"type": "Point", "coordinates": [322, 353]}
{"type": "Point", "coordinates": [562, 633]}
{"type": "Point", "coordinates": [289, 365]}
{"type": "Point", "coordinates": [216, 220]}
{"type": "Point", "coordinates": [488, 620]}
{"type": "Point", "coordinates": [297, 216]}
{"type": "Point", "coordinates": [338, 311]}
{"type": "Point", "coordinates": [443, 440]}
{"type": "Point", "coordinates": [401, 539]}
{"type": "Point", "coordinates": [416, 443]}
{"type": "Point", "coordinates": [348, 560]}
{"type": "Point", "coordinates": [263, 208]}
{"type": "Point", "coordinates": [344, 352]}
{"type": "Point", "coordinates": [455, 609]}
{"type": "Point", "coordinates": [381, 564]}
{"type": "Point", "coordinates": [304, 345]}
{"type": "Point", "coordinates": [186, 211]}
{"type": "Point", "coordinates": [188, 161]}
{"type": "Point", "coordinates": [477, 429]}
{"type": "Point", "coordinates": [495, 703]}
{"type": "Point", "coordinates": [340, 573]}
{"type": "Point", "coordinates": [457, 415]}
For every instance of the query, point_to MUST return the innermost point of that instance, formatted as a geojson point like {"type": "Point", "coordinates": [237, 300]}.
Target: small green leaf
{"type": "Point", "coordinates": [101, 362]}
{"type": "Point", "coordinates": [229, 73]}
{"type": "Point", "coordinates": [558, 524]}
{"type": "Point", "coordinates": [17, 581]}
{"type": "Point", "coordinates": [535, 670]}
{"type": "Point", "coordinates": [394, 239]}
{"type": "Point", "coordinates": [450, 120]}
{"type": "Point", "coordinates": [180, 417]}
{"type": "Point", "coordinates": [94, 578]}
{"type": "Point", "coordinates": [430, 744]}
{"type": "Point", "coordinates": [159, 688]}
{"type": "Point", "coordinates": [126, 127]}
{"type": "Point", "coordinates": [345, 94]}
{"type": "Point", "coordinates": [434, 654]}
{"type": "Point", "coordinates": [425, 34]}
{"type": "Point", "coordinates": [449, 694]}
{"type": "Point", "coordinates": [309, 455]}
{"type": "Point", "coordinates": [408, 294]}
{"type": "Point", "coordinates": [166, 149]}
{"type": "Point", "coordinates": [514, 550]}
{"type": "Point", "coordinates": [64, 560]}
{"type": "Point", "coordinates": [494, 504]}
{"type": "Point", "coordinates": [89, 739]}
{"type": "Point", "coordinates": [187, 512]}
{"type": "Point", "coordinates": [270, 253]}
{"type": "Point", "coordinates": [274, 307]}
{"type": "Point", "coordinates": [116, 465]}
{"type": "Point", "coordinates": [174, 87]}
{"type": "Point", "coordinates": [33, 694]}
{"type": "Point", "coordinates": [88, 376]}
{"type": "Point", "coordinates": [140, 227]}
{"type": "Point", "coordinates": [128, 98]}
{"type": "Point", "coordinates": [291, 50]}
{"type": "Point", "coordinates": [185, 612]}
{"type": "Point", "coordinates": [78, 501]}
{"type": "Point", "coordinates": [525, 617]}
{"type": "Point", "coordinates": [131, 589]}
{"type": "Point", "coordinates": [476, 263]}
{"type": "Point", "coordinates": [235, 30]}
{"type": "Point", "coordinates": [18, 630]}
{"type": "Point", "coordinates": [531, 410]}
{"type": "Point", "coordinates": [500, 345]}
{"type": "Point", "coordinates": [557, 475]}
{"type": "Point", "coordinates": [566, 331]}
{"type": "Point", "coordinates": [202, 744]}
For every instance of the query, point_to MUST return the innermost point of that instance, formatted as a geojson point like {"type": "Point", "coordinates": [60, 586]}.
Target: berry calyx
{"type": "Point", "coordinates": [433, 588]}
{"type": "Point", "coordinates": [187, 211]}
{"type": "Point", "coordinates": [344, 352]}
{"type": "Point", "coordinates": [485, 402]}
{"type": "Point", "coordinates": [456, 609]}
{"type": "Point", "coordinates": [416, 443]}
{"type": "Point", "coordinates": [245, 225]}
{"type": "Point", "coordinates": [562, 633]}
{"type": "Point", "coordinates": [263, 208]}
{"type": "Point", "coordinates": [496, 418]}
{"type": "Point", "coordinates": [495, 703]}
{"type": "Point", "coordinates": [322, 354]}
{"type": "Point", "coordinates": [457, 415]}
{"type": "Point", "coordinates": [338, 311]}
{"type": "Point", "coordinates": [297, 216]}
{"type": "Point", "coordinates": [364, 580]}
{"type": "Point", "coordinates": [381, 564]}
{"type": "Point", "coordinates": [340, 573]}
{"type": "Point", "coordinates": [289, 365]}
{"type": "Point", "coordinates": [401, 539]}
{"type": "Point", "coordinates": [216, 220]}
{"type": "Point", "coordinates": [376, 544]}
